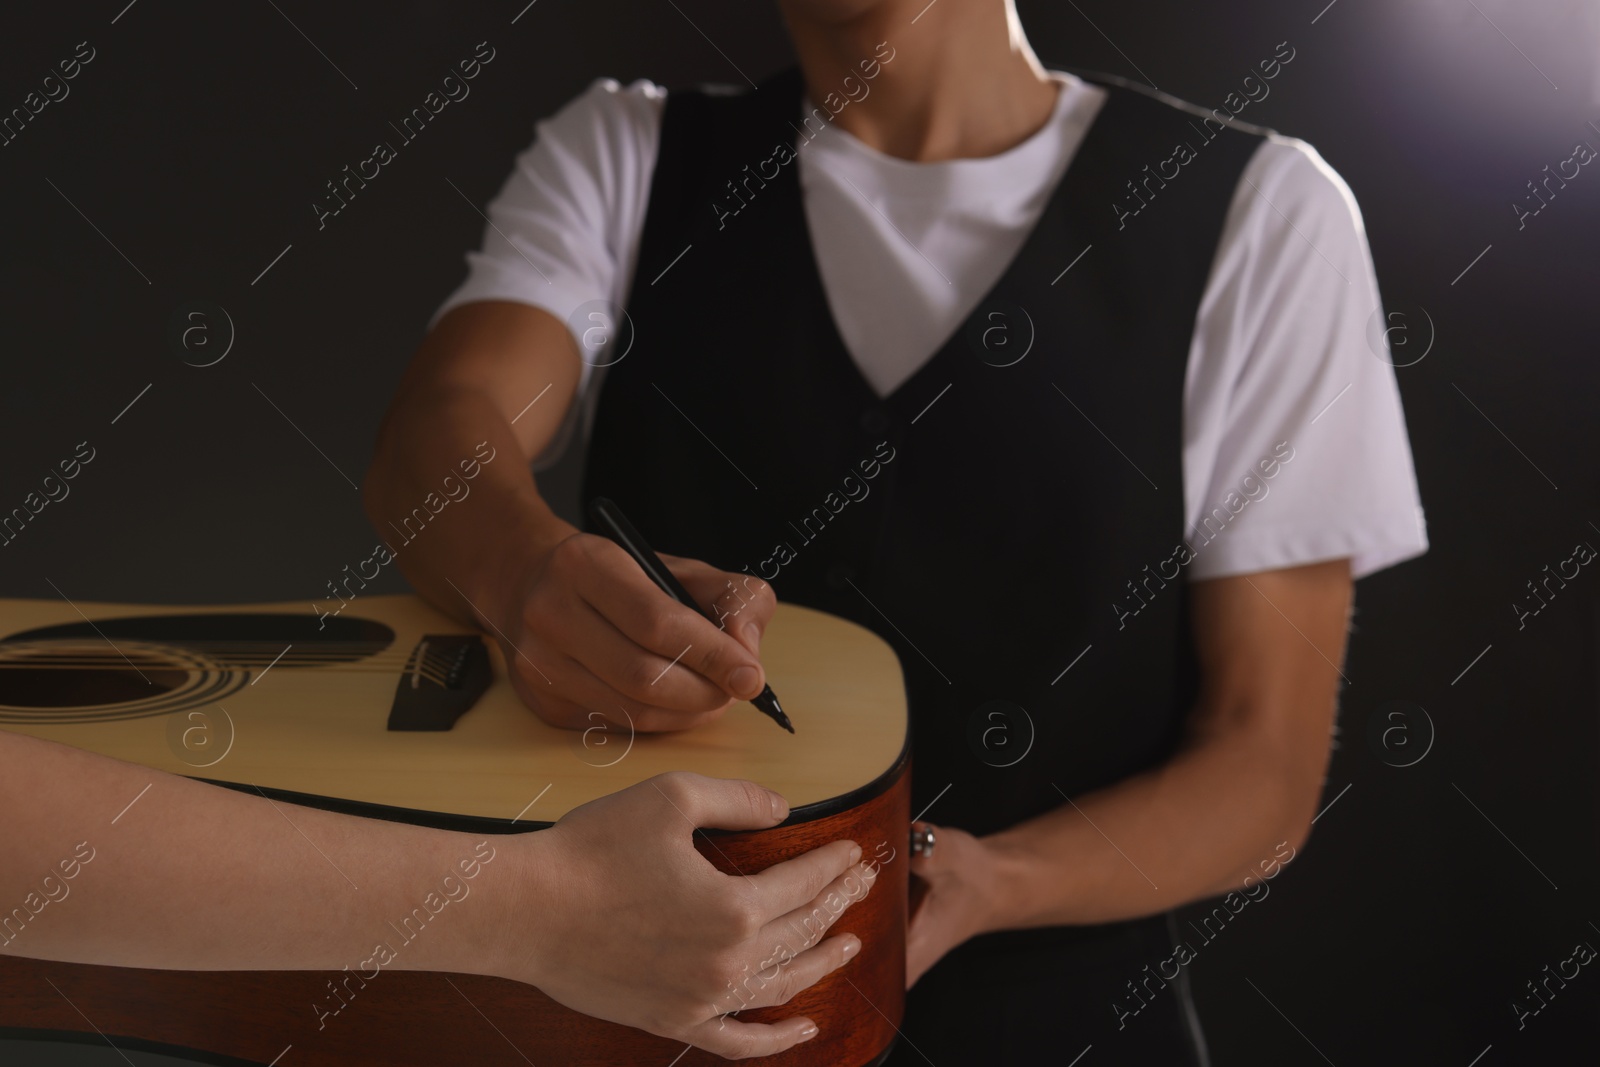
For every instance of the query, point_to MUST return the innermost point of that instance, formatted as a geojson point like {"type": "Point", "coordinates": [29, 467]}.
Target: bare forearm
{"type": "Point", "coordinates": [1233, 800]}
{"type": "Point", "coordinates": [108, 862]}
{"type": "Point", "coordinates": [431, 441]}
{"type": "Point", "coordinates": [1192, 828]}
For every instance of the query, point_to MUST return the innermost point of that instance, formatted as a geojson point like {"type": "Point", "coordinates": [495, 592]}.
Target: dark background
{"type": "Point", "coordinates": [199, 136]}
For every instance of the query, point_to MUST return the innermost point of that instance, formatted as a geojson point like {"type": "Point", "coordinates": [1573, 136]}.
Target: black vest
{"type": "Point", "coordinates": [1007, 518]}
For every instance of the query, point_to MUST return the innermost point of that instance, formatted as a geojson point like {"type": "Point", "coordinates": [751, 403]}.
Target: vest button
{"type": "Point", "coordinates": [874, 421]}
{"type": "Point", "coordinates": [839, 576]}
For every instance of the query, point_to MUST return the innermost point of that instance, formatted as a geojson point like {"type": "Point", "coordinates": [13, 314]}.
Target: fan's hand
{"type": "Point", "coordinates": [618, 916]}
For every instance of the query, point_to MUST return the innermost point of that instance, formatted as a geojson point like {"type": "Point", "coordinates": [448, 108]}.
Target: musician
{"type": "Point", "coordinates": [1068, 390]}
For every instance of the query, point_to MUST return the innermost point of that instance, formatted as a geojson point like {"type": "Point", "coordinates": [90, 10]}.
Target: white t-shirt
{"type": "Point", "coordinates": [1284, 347]}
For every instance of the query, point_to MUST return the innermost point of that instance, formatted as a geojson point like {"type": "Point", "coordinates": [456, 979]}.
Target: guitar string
{"type": "Point", "coordinates": [232, 658]}
{"type": "Point", "coordinates": [435, 668]}
{"type": "Point", "coordinates": [237, 652]}
{"type": "Point", "coordinates": [431, 668]}
{"type": "Point", "coordinates": [352, 652]}
{"type": "Point", "coordinates": [439, 663]}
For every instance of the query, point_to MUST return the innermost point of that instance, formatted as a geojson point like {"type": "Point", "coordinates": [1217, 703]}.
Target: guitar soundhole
{"type": "Point", "coordinates": [144, 665]}
{"type": "Point", "coordinates": [48, 687]}
{"type": "Point", "coordinates": [59, 681]}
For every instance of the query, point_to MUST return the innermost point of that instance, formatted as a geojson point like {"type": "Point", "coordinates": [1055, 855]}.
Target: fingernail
{"type": "Point", "coordinates": [855, 853]}
{"type": "Point", "coordinates": [744, 680]}
{"type": "Point", "coordinates": [753, 632]}
{"type": "Point", "coordinates": [852, 946]}
{"type": "Point", "coordinates": [808, 1032]}
{"type": "Point", "coordinates": [780, 807]}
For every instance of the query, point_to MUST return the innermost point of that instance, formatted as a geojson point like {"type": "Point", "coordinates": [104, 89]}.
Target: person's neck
{"type": "Point", "coordinates": [962, 82]}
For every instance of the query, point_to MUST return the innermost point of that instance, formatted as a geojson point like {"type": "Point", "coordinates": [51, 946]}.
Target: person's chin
{"type": "Point", "coordinates": [830, 11]}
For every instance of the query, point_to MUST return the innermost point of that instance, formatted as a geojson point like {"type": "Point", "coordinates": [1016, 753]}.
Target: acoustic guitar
{"type": "Point", "coordinates": [391, 710]}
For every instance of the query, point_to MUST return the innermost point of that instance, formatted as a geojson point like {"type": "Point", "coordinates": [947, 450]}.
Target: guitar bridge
{"type": "Point", "coordinates": [444, 676]}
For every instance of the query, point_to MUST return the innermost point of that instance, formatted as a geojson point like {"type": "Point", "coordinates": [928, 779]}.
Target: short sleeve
{"type": "Point", "coordinates": [1295, 446]}
{"type": "Point", "coordinates": [565, 227]}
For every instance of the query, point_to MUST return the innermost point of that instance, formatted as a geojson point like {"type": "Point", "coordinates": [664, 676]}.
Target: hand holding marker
{"type": "Point", "coordinates": [610, 521]}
